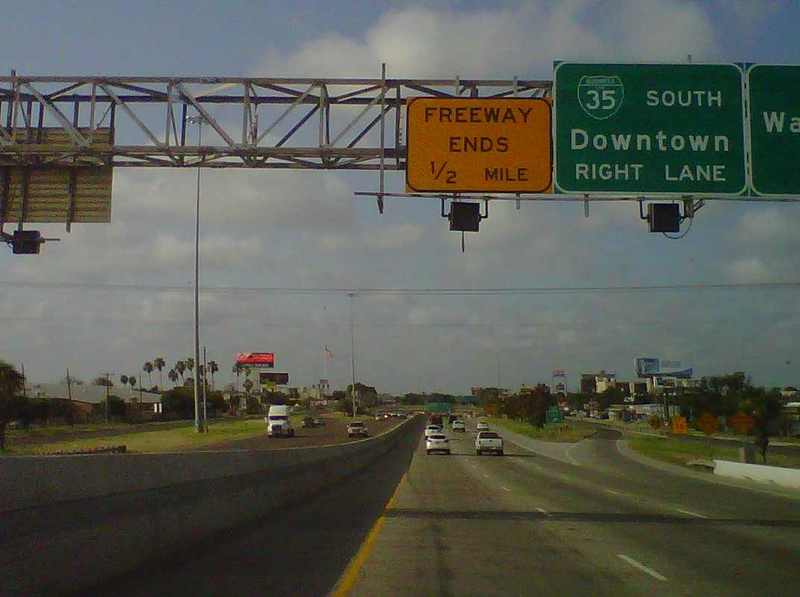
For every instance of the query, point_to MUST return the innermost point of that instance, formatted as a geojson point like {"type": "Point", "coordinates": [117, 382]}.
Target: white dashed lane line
{"type": "Point", "coordinates": [504, 488]}
{"type": "Point", "coordinates": [641, 567]}
{"type": "Point", "coordinates": [690, 513]}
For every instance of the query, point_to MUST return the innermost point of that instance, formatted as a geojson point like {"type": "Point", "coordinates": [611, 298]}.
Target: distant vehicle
{"type": "Point", "coordinates": [436, 420]}
{"type": "Point", "coordinates": [459, 426]}
{"type": "Point", "coordinates": [319, 422]}
{"type": "Point", "coordinates": [488, 441]}
{"type": "Point", "coordinates": [357, 429]}
{"type": "Point", "coordinates": [482, 426]}
{"type": "Point", "coordinates": [308, 421]}
{"type": "Point", "coordinates": [379, 417]}
{"type": "Point", "coordinates": [431, 429]}
{"type": "Point", "coordinates": [437, 442]}
{"type": "Point", "coordinates": [277, 420]}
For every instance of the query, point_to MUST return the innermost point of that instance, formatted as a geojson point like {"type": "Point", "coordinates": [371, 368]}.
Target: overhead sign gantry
{"type": "Point", "coordinates": [634, 132]}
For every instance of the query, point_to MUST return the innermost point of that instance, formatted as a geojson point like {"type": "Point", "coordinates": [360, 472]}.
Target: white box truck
{"type": "Point", "coordinates": [277, 420]}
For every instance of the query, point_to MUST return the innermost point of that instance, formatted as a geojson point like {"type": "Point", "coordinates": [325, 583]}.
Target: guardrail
{"type": "Point", "coordinates": [71, 522]}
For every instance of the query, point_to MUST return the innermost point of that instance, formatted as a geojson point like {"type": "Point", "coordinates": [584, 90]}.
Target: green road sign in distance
{"type": "Point", "coordinates": [649, 129]}
{"type": "Point", "coordinates": [774, 128]}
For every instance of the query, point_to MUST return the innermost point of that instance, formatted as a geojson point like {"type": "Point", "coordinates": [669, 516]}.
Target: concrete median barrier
{"type": "Point", "coordinates": [785, 477]}
{"type": "Point", "coordinates": [70, 522]}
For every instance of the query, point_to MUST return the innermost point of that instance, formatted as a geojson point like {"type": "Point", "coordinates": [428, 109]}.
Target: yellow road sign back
{"type": "Point", "coordinates": [463, 145]}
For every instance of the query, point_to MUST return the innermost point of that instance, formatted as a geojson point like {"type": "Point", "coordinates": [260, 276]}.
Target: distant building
{"type": "Point", "coordinates": [89, 393]}
{"type": "Point", "coordinates": [595, 383]}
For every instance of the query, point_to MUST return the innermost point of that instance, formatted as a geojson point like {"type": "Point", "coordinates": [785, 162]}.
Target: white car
{"type": "Point", "coordinates": [458, 425]}
{"type": "Point", "coordinates": [437, 442]}
{"type": "Point", "coordinates": [488, 441]}
{"type": "Point", "coordinates": [357, 428]}
{"type": "Point", "coordinates": [430, 429]}
{"type": "Point", "coordinates": [482, 426]}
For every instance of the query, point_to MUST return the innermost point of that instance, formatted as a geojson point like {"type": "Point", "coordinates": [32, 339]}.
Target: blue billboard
{"type": "Point", "coordinates": [653, 367]}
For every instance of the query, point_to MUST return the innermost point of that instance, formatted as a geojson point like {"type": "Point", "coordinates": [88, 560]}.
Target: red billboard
{"type": "Point", "coordinates": [262, 360]}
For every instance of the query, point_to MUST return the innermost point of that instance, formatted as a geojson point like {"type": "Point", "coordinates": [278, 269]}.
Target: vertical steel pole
{"type": "Point", "coordinates": [197, 425]}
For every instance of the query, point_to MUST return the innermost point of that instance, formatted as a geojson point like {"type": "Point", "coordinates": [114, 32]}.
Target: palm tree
{"type": "Point", "coordinates": [248, 385]}
{"type": "Point", "coordinates": [132, 381]}
{"type": "Point", "coordinates": [159, 364]}
{"type": "Point", "coordinates": [212, 369]}
{"type": "Point", "coordinates": [173, 376]}
{"type": "Point", "coordinates": [123, 379]}
{"type": "Point", "coordinates": [148, 368]}
{"type": "Point", "coordinates": [180, 367]}
{"type": "Point", "coordinates": [237, 371]}
{"type": "Point", "coordinates": [190, 364]}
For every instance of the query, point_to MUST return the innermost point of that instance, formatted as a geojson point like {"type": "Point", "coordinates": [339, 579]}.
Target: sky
{"type": "Point", "coordinates": [298, 229]}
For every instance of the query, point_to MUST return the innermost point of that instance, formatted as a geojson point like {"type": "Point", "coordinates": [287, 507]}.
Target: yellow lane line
{"type": "Point", "coordinates": [350, 575]}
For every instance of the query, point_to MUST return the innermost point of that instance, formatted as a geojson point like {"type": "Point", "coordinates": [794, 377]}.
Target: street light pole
{"type": "Point", "coordinates": [198, 120]}
{"type": "Point", "coordinates": [353, 352]}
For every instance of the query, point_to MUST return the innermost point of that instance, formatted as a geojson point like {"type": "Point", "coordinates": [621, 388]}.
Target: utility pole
{"type": "Point", "coordinates": [353, 353]}
{"type": "Point", "coordinates": [24, 381]}
{"type": "Point", "coordinates": [69, 386]}
{"type": "Point", "coordinates": [198, 120]}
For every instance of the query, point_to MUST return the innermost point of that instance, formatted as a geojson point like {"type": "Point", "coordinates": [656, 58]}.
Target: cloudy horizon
{"type": "Point", "coordinates": [109, 297]}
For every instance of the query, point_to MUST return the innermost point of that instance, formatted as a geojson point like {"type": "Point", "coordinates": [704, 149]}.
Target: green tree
{"type": "Point", "coordinates": [159, 363]}
{"type": "Point", "coordinates": [178, 403]}
{"type": "Point", "coordinates": [116, 407]}
{"type": "Point", "coordinates": [11, 405]}
{"type": "Point", "coordinates": [212, 369]}
{"type": "Point", "coordinates": [132, 381]}
{"type": "Point", "coordinates": [173, 376]}
{"type": "Point", "coordinates": [765, 408]}
{"type": "Point", "coordinates": [237, 371]}
{"type": "Point", "coordinates": [248, 385]}
{"type": "Point", "coordinates": [148, 368]}
{"type": "Point", "coordinates": [123, 379]}
{"type": "Point", "coordinates": [103, 381]}
{"type": "Point", "coordinates": [180, 367]}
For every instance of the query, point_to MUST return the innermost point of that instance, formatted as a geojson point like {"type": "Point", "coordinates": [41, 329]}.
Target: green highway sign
{"type": "Point", "coordinates": [774, 93]}
{"type": "Point", "coordinates": [554, 415]}
{"type": "Point", "coordinates": [675, 129]}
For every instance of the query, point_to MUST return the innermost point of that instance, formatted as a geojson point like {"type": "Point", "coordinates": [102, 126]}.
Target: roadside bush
{"type": "Point", "coordinates": [178, 402]}
{"type": "Point", "coordinates": [654, 422]}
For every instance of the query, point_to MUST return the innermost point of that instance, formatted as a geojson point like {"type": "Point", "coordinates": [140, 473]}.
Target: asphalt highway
{"type": "Point", "coordinates": [524, 524]}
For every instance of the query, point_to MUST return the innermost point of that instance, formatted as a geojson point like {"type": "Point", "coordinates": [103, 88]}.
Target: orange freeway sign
{"type": "Point", "coordinates": [463, 145]}
{"type": "Point", "coordinates": [741, 422]}
{"type": "Point", "coordinates": [679, 425]}
{"type": "Point", "coordinates": [708, 424]}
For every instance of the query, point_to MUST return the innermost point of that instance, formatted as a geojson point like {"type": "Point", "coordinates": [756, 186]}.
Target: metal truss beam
{"type": "Point", "coordinates": [254, 122]}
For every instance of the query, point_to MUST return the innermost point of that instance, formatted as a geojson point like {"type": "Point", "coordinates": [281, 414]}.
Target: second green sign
{"type": "Point", "coordinates": [649, 128]}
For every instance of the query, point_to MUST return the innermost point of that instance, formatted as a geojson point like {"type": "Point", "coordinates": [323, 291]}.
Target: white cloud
{"type": "Point", "coordinates": [748, 270]}
{"type": "Point", "coordinates": [424, 42]}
